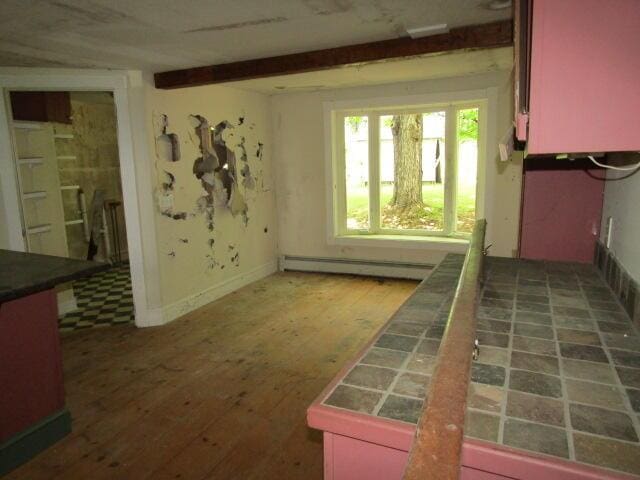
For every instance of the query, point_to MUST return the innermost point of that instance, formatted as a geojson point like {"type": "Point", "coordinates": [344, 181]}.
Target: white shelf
{"type": "Point", "coordinates": [63, 136]}
{"type": "Point", "coordinates": [70, 187]}
{"type": "Point", "coordinates": [66, 157]}
{"type": "Point", "coordinates": [39, 194]}
{"type": "Point", "coordinates": [74, 222]}
{"type": "Point", "coordinates": [27, 126]}
{"type": "Point", "coordinates": [44, 228]}
{"type": "Point", "coordinates": [30, 161]}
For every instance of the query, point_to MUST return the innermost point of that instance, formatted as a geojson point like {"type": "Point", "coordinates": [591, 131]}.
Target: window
{"type": "Point", "coordinates": [407, 171]}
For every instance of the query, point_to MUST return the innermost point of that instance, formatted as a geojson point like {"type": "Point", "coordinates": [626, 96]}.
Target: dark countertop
{"type": "Point", "coordinates": [23, 274]}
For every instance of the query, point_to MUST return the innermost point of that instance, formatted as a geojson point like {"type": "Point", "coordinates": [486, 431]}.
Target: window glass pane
{"type": "Point", "coordinates": [412, 153]}
{"type": "Point", "coordinates": [356, 145]}
{"type": "Point", "coordinates": [467, 169]}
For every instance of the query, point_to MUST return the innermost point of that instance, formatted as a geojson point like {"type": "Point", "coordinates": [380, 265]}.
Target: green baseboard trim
{"type": "Point", "coordinates": [28, 443]}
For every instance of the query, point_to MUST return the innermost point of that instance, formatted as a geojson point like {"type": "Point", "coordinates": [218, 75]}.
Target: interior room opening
{"type": "Point", "coordinates": [71, 201]}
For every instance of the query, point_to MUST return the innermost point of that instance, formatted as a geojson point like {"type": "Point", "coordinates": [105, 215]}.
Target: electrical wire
{"type": "Point", "coordinates": [612, 167]}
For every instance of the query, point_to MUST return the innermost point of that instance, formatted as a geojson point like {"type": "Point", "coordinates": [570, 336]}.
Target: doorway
{"type": "Point", "coordinates": [71, 197]}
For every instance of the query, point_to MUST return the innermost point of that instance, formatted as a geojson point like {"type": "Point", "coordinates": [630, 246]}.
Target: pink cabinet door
{"type": "Point", "coordinates": [561, 212]}
{"type": "Point", "coordinates": [585, 72]}
{"type": "Point", "coordinates": [30, 363]}
{"type": "Point", "coordinates": [348, 458]}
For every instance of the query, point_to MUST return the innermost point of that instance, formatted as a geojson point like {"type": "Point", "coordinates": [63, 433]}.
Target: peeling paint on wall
{"type": "Point", "coordinates": [217, 170]}
{"type": "Point", "coordinates": [175, 216]}
{"type": "Point", "coordinates": [212, 263]}
{"type": "Point", "coordinates": [247, 180]}
{"type": "Point", "coordinates": [166, 198]}
{"type": "Point", "coordinates": [167, 144]}
{"type": "Point", "coordinates": [170, 180]}
{"type": "Point", "coordinates": [223, 170]}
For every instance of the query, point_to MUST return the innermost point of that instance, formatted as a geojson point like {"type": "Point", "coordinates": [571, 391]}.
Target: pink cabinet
{"type": "Point", "coordinates": [361, 446]}
{"type": "Point", "coordinates": [561, 210]}
{"type": "Point", "coordinates": [581, 88]}
{"type": "Point", "coordinates": [30, 363]}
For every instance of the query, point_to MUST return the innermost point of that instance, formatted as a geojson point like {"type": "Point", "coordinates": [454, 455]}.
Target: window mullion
{"type": "Point", "coordinates": [340, 184]}
{"type": "Point", "coordinates": [451, 173]}
{"type": "Point", "coordinates": [374, 173]}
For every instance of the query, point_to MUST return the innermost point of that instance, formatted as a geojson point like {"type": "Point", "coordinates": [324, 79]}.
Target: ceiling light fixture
{"type": "Point", "coordinates": [429, 30]}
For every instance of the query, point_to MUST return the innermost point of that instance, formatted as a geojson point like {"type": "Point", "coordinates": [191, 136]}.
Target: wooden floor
{"type": "Point", "coordinates": [220, 393]}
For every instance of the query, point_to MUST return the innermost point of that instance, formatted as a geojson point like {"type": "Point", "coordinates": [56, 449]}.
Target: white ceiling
{"type": "Point", "coordinates": [158, 35]}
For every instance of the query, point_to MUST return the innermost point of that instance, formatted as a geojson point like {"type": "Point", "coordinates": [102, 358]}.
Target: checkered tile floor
{"type": "Point", "coordinates": [103, 299]}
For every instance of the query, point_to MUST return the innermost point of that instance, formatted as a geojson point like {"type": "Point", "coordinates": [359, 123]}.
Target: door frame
{"type": "Point", "coordinates": [128, 92]}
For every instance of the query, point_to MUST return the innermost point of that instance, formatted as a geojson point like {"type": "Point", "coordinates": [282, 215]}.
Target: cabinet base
{"type": "Point", "coordinates": [27, 444]}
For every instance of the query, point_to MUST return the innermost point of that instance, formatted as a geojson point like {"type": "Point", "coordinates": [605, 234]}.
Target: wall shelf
{"type": "Point", "coordinates": [36, 229]}
{"type": "Point", "coordinates": [31, 161]}
{"type": "Point", "coordinates": [63, 136]}
{"type": "Point", "coordinates": [66, 157]}
{"type": "Point", "coordinates": [33, 195]}
{"type": "Point", "coordinates": [27, 126]}
{"type": "Point", "coordinates": [74, 222]}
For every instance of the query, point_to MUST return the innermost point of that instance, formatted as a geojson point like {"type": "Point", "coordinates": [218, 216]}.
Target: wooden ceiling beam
{"type": "Point", "coordinates": [490, 35]}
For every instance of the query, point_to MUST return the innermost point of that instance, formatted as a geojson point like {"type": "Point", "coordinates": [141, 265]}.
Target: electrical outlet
{"type": "Point", "coordinates": [608, 232]}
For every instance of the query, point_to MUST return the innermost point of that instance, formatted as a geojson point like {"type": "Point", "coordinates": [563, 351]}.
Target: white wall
{"type": "Point", "coordinates": [300, 165]}
{"type": "Point", "coordinates": [621, 201]}
{"type": "Point", "coordinates": [181, 270]}
{"type": "Point", "coordinates": [191, 271]}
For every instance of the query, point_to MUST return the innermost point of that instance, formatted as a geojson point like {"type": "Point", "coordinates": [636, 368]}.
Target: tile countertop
{"type": "Point", "coordinates": [558, 372]}
{"type": "Point", "coordinates": [23, 274]}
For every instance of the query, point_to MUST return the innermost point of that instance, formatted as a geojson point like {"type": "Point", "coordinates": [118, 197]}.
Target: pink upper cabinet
{"type": "Point", "coordinates": [584, 91]}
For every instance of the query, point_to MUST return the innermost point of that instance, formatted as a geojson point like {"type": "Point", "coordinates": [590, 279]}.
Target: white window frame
{"type": "Point", "coordinates": [335, 112]}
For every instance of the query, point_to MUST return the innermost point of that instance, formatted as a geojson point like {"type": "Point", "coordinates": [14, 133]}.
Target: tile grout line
{"type": "Point", "coordinates": [507, 376]}
{"type": "Point", "coordinates": [565, 393]}
{"type": "Point", "coordinates": [405, 362]}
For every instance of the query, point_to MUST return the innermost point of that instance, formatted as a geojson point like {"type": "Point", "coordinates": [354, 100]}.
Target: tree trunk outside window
{"type": "Point", "coordinates": [407, 156]}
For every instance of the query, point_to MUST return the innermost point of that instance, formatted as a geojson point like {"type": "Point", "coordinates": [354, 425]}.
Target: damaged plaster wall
{"type": "Point", "coordinates": [215, 204]}
{"type": "Point", "coordinates": [299, 152]}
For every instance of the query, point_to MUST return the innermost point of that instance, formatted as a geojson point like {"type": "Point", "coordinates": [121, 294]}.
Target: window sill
{"type": "Point", "coordinates": [449, 244]}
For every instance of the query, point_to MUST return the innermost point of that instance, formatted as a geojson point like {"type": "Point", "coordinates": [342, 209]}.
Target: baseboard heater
{"type": "Point", "coordinates": [415, 271]}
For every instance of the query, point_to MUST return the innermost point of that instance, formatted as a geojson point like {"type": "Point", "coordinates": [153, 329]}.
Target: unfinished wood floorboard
{"type": "Point", "coordinates": [220, 393]}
